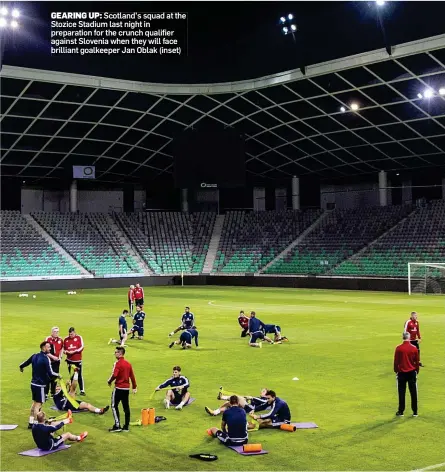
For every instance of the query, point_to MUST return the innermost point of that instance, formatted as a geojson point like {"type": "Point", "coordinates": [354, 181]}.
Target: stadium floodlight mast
{"type": "Point", "coordinates": [287, 24]}
{"type": "Point", "coordinates": [8, 18]}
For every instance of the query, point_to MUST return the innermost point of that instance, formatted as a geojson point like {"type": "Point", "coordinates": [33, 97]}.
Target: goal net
{"type": "Point", "coordinates": [426, 278]}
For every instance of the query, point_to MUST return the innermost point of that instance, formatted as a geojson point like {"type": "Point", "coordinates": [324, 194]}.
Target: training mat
{"type": "Point", "coordinates": [305, 425]}
{"type": "Point", "coordinates": [7, 427]}
{"type": "Point", "coordinates": [64, 411]}
{"type": "Point", "coordinates": [239, 450]}
{"type": "Point", "coordinates": [39, 453]}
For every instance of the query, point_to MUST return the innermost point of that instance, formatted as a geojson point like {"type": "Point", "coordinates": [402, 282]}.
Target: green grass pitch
{"type": "Point", "coordinates": [341, 349]}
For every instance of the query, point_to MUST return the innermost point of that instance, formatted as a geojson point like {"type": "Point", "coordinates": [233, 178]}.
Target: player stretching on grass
{"type": "Point", "coordinates": [177, 395]}
{"type": "Point", "coordinates": [278, 415]}
{"type": "Point", "coordinates": [248, 403]}
{"type": "Point", "coordinates": [186, 339]}
{"type": "Point", "coordinates": [122, 330]}
{"type": "Point", "coordinates": [138, 323]}
{"type": "Point", "coordinates": [244, 323]}
{"type": "Point", "coordinates": [64, 403]}
{"type": "Point", "coordinates": [256, 329]}
{"type": "Point", "coordinates": [187, 321]}
{"type": "Point", "coordinates": [276, 331]}
{"type": "Point", "coordinates": [43, 434]}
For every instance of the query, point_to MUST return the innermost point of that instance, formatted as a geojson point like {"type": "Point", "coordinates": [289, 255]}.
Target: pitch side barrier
{"type": "Point", "coordinates": [33, 284]}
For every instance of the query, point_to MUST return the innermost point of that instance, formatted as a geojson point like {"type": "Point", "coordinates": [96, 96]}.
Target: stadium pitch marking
{"type": "Point", "coordinates": [430, 467]}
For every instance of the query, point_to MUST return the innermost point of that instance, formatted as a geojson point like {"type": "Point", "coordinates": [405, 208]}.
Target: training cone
{"type": "Point", "coordinates": [288, 427]}
{"type": "Point", "coordinates": [209, 432]}
{"type": "Point", "coordinates": [145, 416]}
{"type": "Point", "coordinates": [252, 448]}
{"type": "Point", "coordinates": [151, 416]}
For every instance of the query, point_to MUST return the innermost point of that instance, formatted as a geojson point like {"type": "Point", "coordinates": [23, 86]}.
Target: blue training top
{"type": "Point", "coordinates": [236, 423]}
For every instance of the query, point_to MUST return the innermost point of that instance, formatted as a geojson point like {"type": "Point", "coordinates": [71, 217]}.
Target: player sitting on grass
{"type": "Point", "coordinates": [256, 330]}
{"type": "Point", "coordinates": [234, 426]}
{"type": "Point", "coordinates": [138, 323]}
{"type": "Point", "coordinates": [244, 323]}
{"type": "Point", "coordinates": [122, 330]}
{"type": "Point", "coordinates": [278, 415]}
{"type": "Point", "coordinates": [43, 434]}
{"type": "Point", "coordinates": [66, 403]}
{"type": "Point", "coordinates": [186, 339]}
{"type": "Point", "coordinates": [276, 331]}
{"type": "Point", "coordinates": [187, 321]}
{"type": "Point", "coordinates": [177, 395]}
{"type": "Point", "coordinates": [248, 403]}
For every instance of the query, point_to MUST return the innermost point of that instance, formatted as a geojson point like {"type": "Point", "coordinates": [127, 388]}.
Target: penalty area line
{"type": "Point", "coordinates": [430, 467]}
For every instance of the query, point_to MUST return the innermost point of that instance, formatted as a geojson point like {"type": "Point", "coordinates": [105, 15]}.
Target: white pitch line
{"type": "Point", "coordinates": [430, 467]}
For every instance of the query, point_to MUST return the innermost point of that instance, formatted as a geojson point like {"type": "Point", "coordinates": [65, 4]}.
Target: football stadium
{"type": "Point", "coordinates": [223, 249]}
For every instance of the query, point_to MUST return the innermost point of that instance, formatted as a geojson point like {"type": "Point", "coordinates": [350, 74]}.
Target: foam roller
{"type": "Point", "coordinates": [252, 448]}
{"type": "Point", "coordinates": [288, 427]}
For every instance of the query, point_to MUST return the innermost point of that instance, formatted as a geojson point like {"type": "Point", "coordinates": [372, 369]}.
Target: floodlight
{"type": "Point", "coordinates": [285, 30]}
{"type": "Point", "coordinates": [342, 109]}
{"type": "Point", "coordinates": [354, 106]}
{"type": "Point", "coordinates": [15, 13]}
{"type": "Point", "coordinates": [283, 20]}
{"type": "Point", "coordinates": [428, 93]}
{"type": "Point", "coordinates": [2, 22]}
{"type": "Point", "coordinates": [380, 3]}
{"type": "Point", "coordinates": [4, 11]}
{"type": "Point", "coordinates": [290, 17]}
{"type": "Point", "coordinates": [419, 95]}
{"type": "Point", "coordinates": [14, 24]}
{"type": "Point", "coordinates": [442, 91]}
{"type": "Point", "coordinates": [293, 27]}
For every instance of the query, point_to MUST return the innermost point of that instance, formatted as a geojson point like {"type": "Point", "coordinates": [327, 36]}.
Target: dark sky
{"type": "Point", "coordinates": [232, 40]}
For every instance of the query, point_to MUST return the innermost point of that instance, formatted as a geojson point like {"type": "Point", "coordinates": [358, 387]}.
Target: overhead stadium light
{"type": "Point", "coordinates": [285, 29]}
{"type": "Point", "coordinates": [342, 109]}
{"type": "Point", "coordinates": [293, 27]}
{"type": "Point", "coordinates": [380, 3]}
{"type": "Point", "coordinates": [14, 24]}
{"type": "Point", "coordinates": [283, 20]}
{"type": "Point", "coordinates": [354, 106]}
{"type": "Point", "coordinates": [428, 93]}
{"type": "Point", "coordinates": [3, 11]}
{"type": "Point", "coordinates": [15, 13]}
{"type": "Point", "coordinates": [290, 17]}
{"type": "Point", "coordinates": [442, 91]}
{"type": "Point", "coordinates": [3, 22]}
{"type": "Point", "coordinates": [419, 95]}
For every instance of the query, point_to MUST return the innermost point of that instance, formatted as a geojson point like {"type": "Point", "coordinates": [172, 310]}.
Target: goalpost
{"type": "Point", "coordinates": [426, 277]}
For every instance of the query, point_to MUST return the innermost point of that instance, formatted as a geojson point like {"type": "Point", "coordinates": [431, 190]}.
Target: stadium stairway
{"type": "Point", "coordinates": [294, 243]}
{"type": "Point", "coordinates": [357, 256]}
{"type": "Point", "coordinates": [213, 245]}
{"type": "Point", "coordinates": [143, 267]}
{"type": "Point", "coordinates": [55, 245]}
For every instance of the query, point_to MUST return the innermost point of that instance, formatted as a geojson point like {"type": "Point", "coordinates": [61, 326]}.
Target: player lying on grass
{"type": "Point", "coordinates": [276, 331]}
{"type": "Point", "coordinates": [234, 426]}
{"type": "Point", "coordinates": [187, 321]}
{"type": "Point", "coordinates": [186, 339]}
{"type": "Point", "coordinates": [248, 403]}
{"type": "Point", "coordinates": [256, 329]}
{"type": "Point", "coordinates": [43, 434]}
{"type": "Point", "coordinates": [278, 415]}
{"type": "Point", "coordinates": [177, 395]}
{"type": "Point", "coordinates": [65, 403]}
{"type": "Point", "coordinates": [122, 330]}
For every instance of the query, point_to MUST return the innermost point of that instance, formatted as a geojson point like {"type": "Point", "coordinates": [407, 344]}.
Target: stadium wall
{"type": "Point", "coordinates": [335, 283]}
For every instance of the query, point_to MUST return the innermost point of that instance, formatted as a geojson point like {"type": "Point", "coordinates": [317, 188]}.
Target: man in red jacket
{"type": "Point", "coordinates": [55, 355]}
{"type": "Point", "coordinates": [138, 295]}
{"type": "Point", "coordinates": [244, 323]}
{"type": "Point", "coordinates": [122, 374]}
{"type": "Point", "coordinates": [73, 347]}
{"type": "Point", "coordinates": [406, 367]}
{"type": "Point", "coordinates": [412, 327]}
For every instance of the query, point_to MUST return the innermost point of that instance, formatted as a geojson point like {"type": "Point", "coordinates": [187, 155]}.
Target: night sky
{"type": "Point", "coordinates": [231, 41]}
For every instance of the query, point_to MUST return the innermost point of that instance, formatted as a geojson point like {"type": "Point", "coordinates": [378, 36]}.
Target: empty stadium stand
{"type": "Point", "coordinates": [250, 240]}
{"type": "Point", "coordinates": [24, 253]}
{"type": "Point", "coordinates": [169, 242]}
{"type": "Point", "coordinates": [86, 239]}
{"type": "Point", "coordinates": [419, 238]}
{"type": "Point", "coordinates": [337, 238]}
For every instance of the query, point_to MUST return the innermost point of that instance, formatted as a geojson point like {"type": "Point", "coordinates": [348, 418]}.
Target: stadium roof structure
{"type": "Point", "coordinates": [293, 123]}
